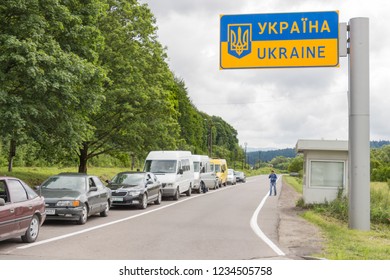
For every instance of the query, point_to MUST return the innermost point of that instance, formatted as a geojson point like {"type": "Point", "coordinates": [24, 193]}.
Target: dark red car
{"type": "Point", "coordinates": [22, 210]}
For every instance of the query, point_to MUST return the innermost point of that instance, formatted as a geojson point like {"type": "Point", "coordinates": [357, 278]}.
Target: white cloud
{"type": "Point", "coordinates": [273, 107]}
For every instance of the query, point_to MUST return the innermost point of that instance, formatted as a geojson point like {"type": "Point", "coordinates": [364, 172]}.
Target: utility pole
{"type": "Point", "coordinates": [246, 144]}
{"type": "Point", "coordinates": [209, 138]}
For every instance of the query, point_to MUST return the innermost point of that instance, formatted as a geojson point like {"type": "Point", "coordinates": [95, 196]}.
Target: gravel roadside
{"type": "Point", "coordinates": [301, 239]}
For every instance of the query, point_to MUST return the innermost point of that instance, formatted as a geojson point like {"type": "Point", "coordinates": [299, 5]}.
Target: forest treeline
{"type": "Point", "coordinates": [88, 82]}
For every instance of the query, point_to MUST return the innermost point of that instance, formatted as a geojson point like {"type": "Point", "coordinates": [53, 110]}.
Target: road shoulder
{"type": "Point", "coordinates": [302, 239]}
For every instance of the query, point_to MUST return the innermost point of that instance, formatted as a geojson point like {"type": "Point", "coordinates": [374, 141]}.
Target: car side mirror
{"type": "Point", "coordinates": [93, 189]}
{"type": "Point", "coordinates": [181, 171]}
{"type": "Point", "coordinates": [38, 190]}
{"type": "Point", "coordinates": [2, 202]}
{"type": "Point", "coordinates": [108, 181]}
{"type": "Point", "coordinates": [149, 182]}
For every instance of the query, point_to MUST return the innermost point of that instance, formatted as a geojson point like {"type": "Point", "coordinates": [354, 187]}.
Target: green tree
{"type": "Point", "coordinates": [280, 162]}
{"type": "Point", "coordinates": [45, 90]}
{"type": "Point", "coordinates": [192, 122]}
{"type": "Point", "coordinates": [226, 135]}
{"type": "Point", "coordinates": [296, 164]}
{"type": "Point", "coordinates": [139, 110]}
{"type": "Point", "coordinates": [79, 79]}
{"type": "Point", "coordinates": [380, 163]}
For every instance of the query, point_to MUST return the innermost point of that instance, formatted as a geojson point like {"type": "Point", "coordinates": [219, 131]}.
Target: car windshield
{"type": "Point", "coordinates": [66, 183]}
{"type": "Point", "coordinates": [129, 179]}
{"type": "Point", "coordinates": [161, 166]}
{"type": "Point", "coordinates": [230, 172]}
{"type": "Point", "coordinates": [196, 166]}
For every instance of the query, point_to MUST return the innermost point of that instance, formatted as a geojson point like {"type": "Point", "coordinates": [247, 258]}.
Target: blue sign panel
{"type": "Point", "coordinates": [279, 40]}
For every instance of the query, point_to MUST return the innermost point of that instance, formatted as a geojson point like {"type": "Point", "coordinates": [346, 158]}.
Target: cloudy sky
{"type": "Point", "coordinates": [273, 107]}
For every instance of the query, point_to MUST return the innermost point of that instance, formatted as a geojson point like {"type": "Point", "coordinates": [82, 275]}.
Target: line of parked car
{"type": "Point", "coordinates": [76, 196]}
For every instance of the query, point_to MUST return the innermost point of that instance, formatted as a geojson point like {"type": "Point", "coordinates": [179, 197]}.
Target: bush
{"type": "Point", "coordinates": [380, 204]}
{"type": "Point", "coordinates": [339, 208]}
{"type": "Point", "coordinates": [380, 174]}
{"type": "Point", "coordinates": [296, 165]}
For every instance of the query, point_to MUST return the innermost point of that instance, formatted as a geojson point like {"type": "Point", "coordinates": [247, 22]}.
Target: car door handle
{"type": "Point", "coordinates": [12, 210]}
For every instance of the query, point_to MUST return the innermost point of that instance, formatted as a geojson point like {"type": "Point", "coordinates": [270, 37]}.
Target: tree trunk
{"type": "Point", "coordinates": [12, 154]}
{"type": "Point", "coordinates": [132, 161]}
{"type": "Point", "coordinates": [83, 158]}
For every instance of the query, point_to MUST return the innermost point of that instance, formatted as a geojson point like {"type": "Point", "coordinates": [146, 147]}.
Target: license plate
{"type": "Point", "coordinates": [117, 199]}
{"type": "Point", "coordinates": [50, 211]}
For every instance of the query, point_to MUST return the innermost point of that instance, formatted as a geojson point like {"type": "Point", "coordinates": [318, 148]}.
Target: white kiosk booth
{"type": "Point", "coordinates": [325, 169]}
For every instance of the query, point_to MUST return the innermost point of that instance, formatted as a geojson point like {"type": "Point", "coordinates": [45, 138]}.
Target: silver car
{"type": "Point", "coordinates": [208, 178]}
{"type": "Point", "coordinates": [231, 178]}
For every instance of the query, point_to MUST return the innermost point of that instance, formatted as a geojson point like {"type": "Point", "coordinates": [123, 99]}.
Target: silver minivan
{"type": "Point", "coordinates": [204, 177]}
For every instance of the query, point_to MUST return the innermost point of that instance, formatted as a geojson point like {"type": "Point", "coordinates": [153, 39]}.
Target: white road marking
{"type": "Point", "coordinates": [253, 224]}
{"type": "Point", "coordinates": [255, 227]}
{"type": "Point", "coordinates": [111, 223]}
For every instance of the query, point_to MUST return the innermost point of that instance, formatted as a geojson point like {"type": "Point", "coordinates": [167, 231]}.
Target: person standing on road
{"type": "Point", "coordinates": [272, 181]}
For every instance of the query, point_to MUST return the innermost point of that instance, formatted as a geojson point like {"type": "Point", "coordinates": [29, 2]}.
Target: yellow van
{"type": "Point", "coordinates": [220, 168]}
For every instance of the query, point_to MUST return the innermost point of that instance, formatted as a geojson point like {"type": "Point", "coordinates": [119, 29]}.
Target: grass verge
{"type": "Point", "coordinates": [34, 176]}
{"type": "Point", "coordinates": [343, 243]}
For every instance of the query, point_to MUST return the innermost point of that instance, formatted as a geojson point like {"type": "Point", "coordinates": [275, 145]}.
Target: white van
{"type": "Point", "coordinates": [174, 169]}
{"type": "Point", "coordinates": [204, 177]}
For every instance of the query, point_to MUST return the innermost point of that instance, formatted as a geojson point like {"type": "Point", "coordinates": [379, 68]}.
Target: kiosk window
{"type": "Point", "coordinates": [327, 174]}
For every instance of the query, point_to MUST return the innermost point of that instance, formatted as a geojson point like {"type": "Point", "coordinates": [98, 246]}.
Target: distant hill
{"type": "Point", "coordinates": [250, 150]}
{"type": "Point", "coordinates": [266, 156]}
{"type": "Point", "coordinates": [378, 144]}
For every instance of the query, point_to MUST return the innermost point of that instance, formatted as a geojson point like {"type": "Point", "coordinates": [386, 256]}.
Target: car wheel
{"type": "Point", "coordinates": [84, 216]}
{"type": "Point", "coordinates": [159, 198]}
{"type": "Point", "coordinates": [104, 213]}
{"type": "Point", "coordinates": [189, 191]}
{"type": "Point", "coordinates": [144, 202]}
{"type": "Point", "coordinates": [177, 194]}
{"type": "Point", "coordinates": [204, 188]}
{"type": "Point", "coordinates": [33, 230]}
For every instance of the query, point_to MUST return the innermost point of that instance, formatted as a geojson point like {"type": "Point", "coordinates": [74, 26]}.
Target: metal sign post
{"type": "Point", "coordinates": [359, 125]}
{"type": "Point", "coordinates": [312, 39]}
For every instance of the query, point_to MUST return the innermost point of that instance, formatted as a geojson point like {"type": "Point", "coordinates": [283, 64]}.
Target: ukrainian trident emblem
{"type": "Point", "coordinates": [239, 42]}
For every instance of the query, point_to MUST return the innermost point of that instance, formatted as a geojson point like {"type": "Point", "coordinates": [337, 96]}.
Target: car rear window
{"type": "Point", "coordinates": [17, 191]}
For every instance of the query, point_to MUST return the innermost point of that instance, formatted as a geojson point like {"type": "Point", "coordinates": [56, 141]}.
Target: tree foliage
{"type": "Point", "coordinates": [296, 164]}
{"type": "Point", "coordinates": [380, 164]}
{"type": "Point", "coordinates": [81, 79]}
{"type": "Point", "coordinates": [139, 103]}
{"type": "Point", "coordinates": [45, 89]}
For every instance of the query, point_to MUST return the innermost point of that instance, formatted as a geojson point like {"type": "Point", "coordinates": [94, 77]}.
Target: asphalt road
{"type": "Point", "coordinates": [238, 222]}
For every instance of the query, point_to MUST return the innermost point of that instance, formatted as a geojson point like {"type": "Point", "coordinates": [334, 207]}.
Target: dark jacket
{"type": "Point", "coordinates": [272, 177]}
